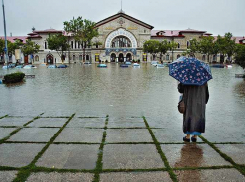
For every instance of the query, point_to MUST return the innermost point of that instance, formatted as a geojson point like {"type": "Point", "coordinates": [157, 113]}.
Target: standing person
{"type": "Point", "coordinates": [195, 99]}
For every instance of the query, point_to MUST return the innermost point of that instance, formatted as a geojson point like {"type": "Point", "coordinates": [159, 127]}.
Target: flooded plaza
{"type": "Point", "coordinates": [85, 123]}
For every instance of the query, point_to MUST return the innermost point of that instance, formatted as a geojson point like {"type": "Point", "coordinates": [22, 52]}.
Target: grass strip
{"type": "Point", "coordinates": [226, 157]}
{"type": "Point", "coordinates": [7, 137]}
{"type": "Point", "coordinates": [25, 172]}
{"type": "Point", "coordinates": [4, 116]}
{"type": "Point", "coordinates": [99, 163]}
{"type": "Point", "coordinates": [7, 168]}
{"type": "Point", "coordinates": [202, 168]}
{"type": "Point", "coordinates": [164, 158]}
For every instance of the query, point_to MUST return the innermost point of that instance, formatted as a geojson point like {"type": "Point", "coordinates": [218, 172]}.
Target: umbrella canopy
{"type": "Point", "coordinates": [190, 71]}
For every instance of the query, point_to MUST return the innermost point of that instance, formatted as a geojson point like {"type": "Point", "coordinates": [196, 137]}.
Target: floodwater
{"type": "Point", "coordinates": [126, 92]}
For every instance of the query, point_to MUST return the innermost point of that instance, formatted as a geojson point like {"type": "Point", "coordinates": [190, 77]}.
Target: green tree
{"type": "Point", "coordinates": [193, 48]}
{"type": "Point", "coordinates": [172, 46]}
{"type": "Point", "coordinates": [163, 48]}
{"type": "Point", "coordinates": [30, 48]}
{"type": "Point", "coordinates": [15, 45]}
{"type": "Point", "coordinates": [207, 46]}
{"type": "Point", "coordinates": [240, 55]}
{"type": "Point", "coordinates": [83, 31]}
{"type": "Point", "coordinates": [152, 47]}
{"type": "Point", "coordinates": [59, 43]}
{"type": "Point", "coordinates": [230, 45]}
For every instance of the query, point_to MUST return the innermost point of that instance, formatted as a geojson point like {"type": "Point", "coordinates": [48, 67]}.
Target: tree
{"type": "Point", "coordinates": [30, 48]}
{"type": "Point", "coordinates": [194, 47]}
{"type": "Point", "coordinates": [230, 45]}
{"type": "Point", "coordinates": [171, 46]}
{"type": "Point", "coordinates": [240, 55]}
{"type": "Point", "coordinates": [83, 31]}
{"type": "Point", "coordinates": [163, 48]}
{"type": "Point", "coordinates": [15, 45]}
{"type": "Point", "coordinates": [152, 47]}
{"type": "Point", "coordinates": [58, 43]}
{"type": "Point", "coordinates": [207, 46]}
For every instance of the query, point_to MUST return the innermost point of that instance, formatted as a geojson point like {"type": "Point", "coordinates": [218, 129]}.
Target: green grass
{"type": "Point", "coordinates": [4, 116]}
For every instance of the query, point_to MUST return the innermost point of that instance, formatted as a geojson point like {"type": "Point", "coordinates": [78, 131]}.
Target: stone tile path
{"type": "Point", "coordinates": [71, 148]}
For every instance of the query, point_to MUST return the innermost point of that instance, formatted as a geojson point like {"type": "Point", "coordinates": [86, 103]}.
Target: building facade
{"type": "Point", "coordinates": [122, 38]}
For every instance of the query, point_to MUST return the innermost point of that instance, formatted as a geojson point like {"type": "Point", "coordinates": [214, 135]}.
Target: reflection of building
{"type": "Point", "coordinates": [122, 38]}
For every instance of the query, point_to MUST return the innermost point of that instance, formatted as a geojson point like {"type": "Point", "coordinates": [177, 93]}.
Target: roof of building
{"type": "Point", "coordinates": [13, 38]}
{"type": "Point", "coordinates": [48, 31]}
{"type": "Point", "coordinates": [166, 33]}
{"type": "Point", "coordinates": [124, 15]}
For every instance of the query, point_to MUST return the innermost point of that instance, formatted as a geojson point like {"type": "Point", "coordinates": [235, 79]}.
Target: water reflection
{"type": "Point", "coordinates": [191, 156]}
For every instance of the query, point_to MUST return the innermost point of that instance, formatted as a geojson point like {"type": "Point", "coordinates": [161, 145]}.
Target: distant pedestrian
{"type": "Point", "coordinates": [195, 99]}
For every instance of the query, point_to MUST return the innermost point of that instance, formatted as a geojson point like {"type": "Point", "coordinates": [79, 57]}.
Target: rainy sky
{"type": "Point", "coordinates": [213, 16]}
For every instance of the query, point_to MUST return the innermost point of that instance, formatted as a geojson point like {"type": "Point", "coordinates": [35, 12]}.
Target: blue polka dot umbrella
{"type": "Point", "coordinates": [190, 71]}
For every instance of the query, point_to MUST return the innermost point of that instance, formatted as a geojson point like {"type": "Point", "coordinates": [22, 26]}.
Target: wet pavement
{"type": "Point", "coordinates": [127, 151]}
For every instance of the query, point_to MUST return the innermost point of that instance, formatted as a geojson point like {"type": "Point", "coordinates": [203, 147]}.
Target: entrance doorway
{"type": "Point", "coordinates": [50, 59]}
{"type": "Point", "coordinates": [113, 57]}
{"type": "Point", "coordinates": [129, 57]}
{"type": "Point", "coordinates": [121, 58]}
{"type": "Point", "coordinates": [26, 59]}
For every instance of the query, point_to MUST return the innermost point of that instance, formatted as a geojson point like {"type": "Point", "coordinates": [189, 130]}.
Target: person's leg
{"type": "Point", "coordinates": [188, 136]}
{"type": "Point", "coordinates": [194, 138]}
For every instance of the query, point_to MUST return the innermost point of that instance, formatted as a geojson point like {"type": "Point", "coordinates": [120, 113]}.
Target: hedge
{"type": "Point", "coordinates": [14, 77]}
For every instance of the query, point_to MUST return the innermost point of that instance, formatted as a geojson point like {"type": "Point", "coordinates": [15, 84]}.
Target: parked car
{"type": "Point", "coordinates": [154, 63]}
{"type": "Point", "coordinates": [29, 66]}
{"type": "Point", "coordinates": [9, 66]}
{"type": "Point", "coordinates": [62, 66]}
{"type": "Point", "coordinates": [52, 66]}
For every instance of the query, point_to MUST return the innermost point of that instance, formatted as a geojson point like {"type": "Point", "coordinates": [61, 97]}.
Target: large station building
{"type": "Point", "coordinates": [122, 38]}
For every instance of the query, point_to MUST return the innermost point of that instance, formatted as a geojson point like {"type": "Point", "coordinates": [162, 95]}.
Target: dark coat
{"type": "Point", "coordinates": [195, 99]}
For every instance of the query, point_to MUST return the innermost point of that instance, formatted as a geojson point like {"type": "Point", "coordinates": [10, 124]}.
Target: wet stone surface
{"type": "Point", "coordinates": [80, 135]}
{"type": "Point", "coordinates": [34, 134]}
{"type": "Point", "coordinates": [235, 151]}
{"type": "Point", "coordinates": [129, 156]}
{"type": "Point", "coordinates": [126, 125]}
{"type": "Point", "coordinates": [168, 136]}
{"type": "Point", "coordinates": [135, 177]}
{"type": "Point", "coordinates": [18, 155]}
{"type": "Point", "coordinates": [126, 120]}
{"type": "Point", "coordinates": [87, 123]}
{"type": "Point", "coordinates": [48, 122]}
{"type": "Point", "coordinates": [59, 113]}
{"type": "Point", "coordinates": [15, 121]}
{"type": "Point", "coordinates": [60, 177]}
{"type": "Point", "coordinates": [5, 132]}
{"type": "Point", "coordinates": [69, 156]}
{"type": "Point", "coordinates": [224, 175]}
{"type": "Point", "coordinates": [7, 176]}
{"type": "Point", "coordinates": [230, 136]}
{"type": "Point", "coordinates": [128, 135]}
{"type": "Point", "coordinates": [192, 155]}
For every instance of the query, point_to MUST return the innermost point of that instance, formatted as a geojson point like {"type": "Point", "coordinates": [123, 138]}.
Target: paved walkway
{"type": "Point", "coordinates": [109, 149]}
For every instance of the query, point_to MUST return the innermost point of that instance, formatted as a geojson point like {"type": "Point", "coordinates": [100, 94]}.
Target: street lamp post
{"type": "Point", "coordinates": [5, 36]}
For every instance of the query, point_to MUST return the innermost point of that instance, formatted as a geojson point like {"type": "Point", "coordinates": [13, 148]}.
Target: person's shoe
{"type": "Point", "coordinates": [193, 139]}
{"type": "Point", "coordinates": [186, 139]}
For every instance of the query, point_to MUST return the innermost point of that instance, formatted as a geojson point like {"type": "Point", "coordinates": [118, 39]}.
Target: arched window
{"type": "Point", "coordinates": [80, 57]}
{"type": "Point", "coordinates": [121, 41]}
{"type": "Point", "coordinates": [214, 58]}
{"type": "Point", "coordinates": [45, 45]}
{"type": "Point", "coordinates": [178, 45]}
{"type": "Point", "coordinates": [187, 44]}
{"type": "Point", "coordinates": [87, 57]}
{"type": "Point", "coordinates": [74, 58]}
{"type": "Point", "coordinates": [36, 58]}
{"type": "Point", "coordinates": [203, 57]}
{"type": "Point", "coordinates": [72, 44]}
{"type": "Point", "coordinates": [167, 57]}
{"type": "Point", "coordinates": [178, 56]}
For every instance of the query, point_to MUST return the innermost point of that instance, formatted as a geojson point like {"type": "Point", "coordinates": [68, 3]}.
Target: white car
{"type": "Point", "coordinates": [154, 63]}
{"type": "Point", "coordinates": [29, 67]}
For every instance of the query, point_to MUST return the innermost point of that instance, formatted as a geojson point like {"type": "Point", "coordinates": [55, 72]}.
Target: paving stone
{"type": "Point", "coordinates": [126, 120]}
{"type": "Point", "coordinates": [128, 135]}
{"type": "Point", "coordinates": [80, 135]}
{"type": "Point", "coordinates": [18, 155]}
{"type": "Point", "coordinates": [57, 114]}
{"type": "Point", "coordinates": [129, 156]}
{"type": "Point", "coordinates": [192, 155]}
{"type": "Point", "coordinates": [48, 122]}
{"type": "Point", "coordinates": [168, 136]}
{"type": "Point", "coordinates": [5, 132]}
{"type": "Point", "coordinates": [7, 176]}
{"type": "Point", "coordinates": [87, 122]}
{"type": "Point", "coordinates": [212, 175]}
{"type": "Point", "coordinates": [60, 177]}
{"type": "Point", "coordinates": [235, 151]}
{"type": "Point", "coordinates": [34, 134]}
{"type": "Point", "coordinates": [70, 156]}
{"type": "Point", "coordinates": [231, 135]}
{"type": "Point", "coordinates": [135, 177]}
{"type": "Point", "coordinates": [126, 125]}
{"type": "Point", "coordinates": [15, 121]}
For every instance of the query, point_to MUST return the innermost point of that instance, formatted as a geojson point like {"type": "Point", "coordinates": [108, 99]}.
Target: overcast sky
{"type": "Point", "coordinates": [213, 16]}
